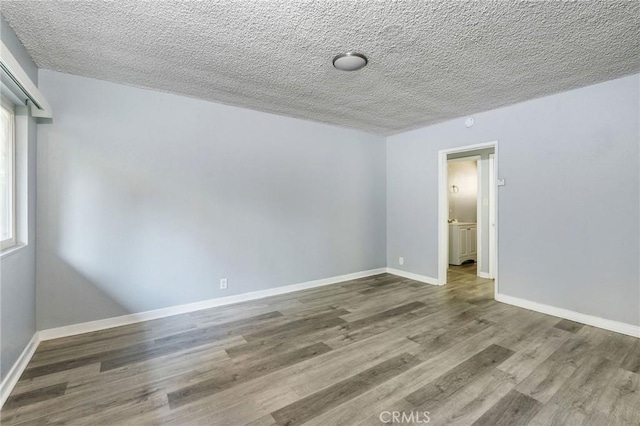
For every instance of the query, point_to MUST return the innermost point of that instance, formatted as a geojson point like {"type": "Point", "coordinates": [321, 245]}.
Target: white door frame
{"type": "Point", "coordinates": [479, 221]}
{"type": "Point", "coordinates": [492, 217]}
{"type": "Point", "coordinates": [443, 207]}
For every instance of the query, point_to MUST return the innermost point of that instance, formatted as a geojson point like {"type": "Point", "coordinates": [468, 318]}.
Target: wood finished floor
{"type": "Point", "coordinates": [339, 355]}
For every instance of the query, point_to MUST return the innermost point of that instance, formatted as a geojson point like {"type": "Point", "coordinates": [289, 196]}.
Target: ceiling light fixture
{"type": "Point", "coordinates": [350, 61]}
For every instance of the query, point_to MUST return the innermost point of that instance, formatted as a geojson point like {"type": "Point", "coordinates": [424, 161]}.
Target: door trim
{"type": "Point", "coordinates": [492, 217]}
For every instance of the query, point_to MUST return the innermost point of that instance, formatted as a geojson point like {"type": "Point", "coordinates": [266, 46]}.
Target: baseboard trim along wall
{"type": "Point", "coordinates": [415, 277]}
{"type": "Point", "coordinates": [618, 327]}
{"type": "Point", "coordinates": [483, 274]}
{"type": "Point", "coordinates": [87, 327]}
{"type": "Point", "coordinates": [10, 380]}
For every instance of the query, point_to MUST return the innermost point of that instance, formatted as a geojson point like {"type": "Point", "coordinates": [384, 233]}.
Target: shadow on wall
{"type": "Point", "coordinates": [100, 303]}
{"type": "Point", "coordinates": [130, 239]}
{"type": "Point", "coordinates": [124, 241]}
{"type": "Point", "coordinates": [155, 198]}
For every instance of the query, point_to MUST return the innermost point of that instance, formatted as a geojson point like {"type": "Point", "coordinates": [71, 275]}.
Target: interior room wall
{"type": "Point", "coordinates": [463, 204]}
{"type": "Point", "coordinates": [571, 165]}
{"type": "Point", "coordinates": [146, 200]}
{"type": "Point", "coordinates": [18, 269]}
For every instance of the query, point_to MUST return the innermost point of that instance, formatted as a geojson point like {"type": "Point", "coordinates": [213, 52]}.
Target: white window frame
{"type": "Point", "coordinates": [13, 240]}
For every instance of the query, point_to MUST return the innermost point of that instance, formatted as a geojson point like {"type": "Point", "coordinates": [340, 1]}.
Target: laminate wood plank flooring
{"type": "Point", "coordinates": [334, 395]}
{"type": "Point", "coordinates": [513, 410]}
{"type": "Point", "coordinates": [339, 355]}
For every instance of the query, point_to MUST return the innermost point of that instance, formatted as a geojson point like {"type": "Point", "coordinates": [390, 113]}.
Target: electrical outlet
{"type": "Point", "coordinates": [401, 260]}
{"type": "Point", "coordinates": [223, 284]}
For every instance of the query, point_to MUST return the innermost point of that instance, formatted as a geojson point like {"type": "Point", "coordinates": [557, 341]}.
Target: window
{"type": "Point", "coordinates": [7, 176]}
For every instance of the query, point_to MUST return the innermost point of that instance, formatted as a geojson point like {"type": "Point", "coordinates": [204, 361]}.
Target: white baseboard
{"type": "Point", "coordinates": [87, 327]}
{"type": "Point", "coordinates": [19, 366]}
{"type": "Point", "coordinates": [415, 277]}
{"type": "Point", "coordinates": [484, 275]}
{"type": "Point", "coordinates": [618, 327]}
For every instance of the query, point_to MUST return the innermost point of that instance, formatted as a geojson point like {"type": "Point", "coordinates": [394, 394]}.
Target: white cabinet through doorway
{"type": "Point", "coordinates": [462, 242]}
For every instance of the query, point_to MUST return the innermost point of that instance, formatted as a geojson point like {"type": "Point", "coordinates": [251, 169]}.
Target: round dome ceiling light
{"type": "Point", "coordinates": [350, 61]}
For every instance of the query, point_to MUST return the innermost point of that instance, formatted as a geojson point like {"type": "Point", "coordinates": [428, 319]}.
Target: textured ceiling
{"type": "Point", "coordinates": [428, 61]}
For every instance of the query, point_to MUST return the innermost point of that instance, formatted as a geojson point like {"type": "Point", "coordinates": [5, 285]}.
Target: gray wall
{"type": "Point", "coordinates": [17, 270]}
{"type": "Point", "coordinates": [569, 213]}
{"type": "Point", "coordinates": [147, 199]}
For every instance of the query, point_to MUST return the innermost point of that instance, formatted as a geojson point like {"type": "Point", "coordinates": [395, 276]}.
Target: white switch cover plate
{"type": "Point", "coordinates": [401, 260]}
{"type": "Point", "coordinates": [223, 284]}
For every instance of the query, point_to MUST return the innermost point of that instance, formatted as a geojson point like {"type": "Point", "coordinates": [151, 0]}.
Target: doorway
{"type": "Point", "coordinates": [467, 231]}
{"type": "Point", "coordinates": [464, 192]}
